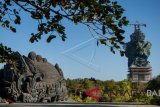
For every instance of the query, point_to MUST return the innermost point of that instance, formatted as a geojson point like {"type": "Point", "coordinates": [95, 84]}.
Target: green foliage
{"type": "Point", "coordinates": [101, 17]}
{"type": "Point", "coordinates": [111, 91]}
{"type": "Point", "coordinates": [98, 15]}
{"type": "Point", "coordinates": [155, 100]}
{"type": "Point", "coordinates": [7, 56]}
{"type": "Point", "coordinates": [89, 100]}
{"type": "Point", "coordinates": [77, 98]}
{"type": "Point", "coordinates": [107, 89]}
{"type": "Point", "coordinates": [154, 85]}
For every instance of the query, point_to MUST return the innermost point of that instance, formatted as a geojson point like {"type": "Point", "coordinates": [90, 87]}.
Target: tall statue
{"type": "Point", "coordinates": [137, 50]}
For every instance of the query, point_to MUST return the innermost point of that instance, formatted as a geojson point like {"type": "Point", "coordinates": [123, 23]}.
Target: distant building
{"type": "Point", "coordinates": [137, 51]}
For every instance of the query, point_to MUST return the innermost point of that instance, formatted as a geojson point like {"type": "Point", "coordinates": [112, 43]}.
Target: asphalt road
{"type": "Point", "coordinates": [71, 105]}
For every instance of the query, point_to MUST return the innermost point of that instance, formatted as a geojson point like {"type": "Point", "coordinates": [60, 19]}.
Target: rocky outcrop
{"type": "Point", "coordinates": [34, 80]}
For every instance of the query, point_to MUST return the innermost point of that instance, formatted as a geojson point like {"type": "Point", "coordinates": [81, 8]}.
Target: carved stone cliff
{"type": "Point", "coordinates": [34, 80]}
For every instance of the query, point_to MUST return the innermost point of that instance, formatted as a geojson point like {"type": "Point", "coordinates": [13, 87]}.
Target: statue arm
{"type": "Point", "coordinates": [147, 48]}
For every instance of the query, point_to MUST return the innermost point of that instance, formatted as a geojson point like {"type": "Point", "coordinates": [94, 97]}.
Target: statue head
{"type": "Point", "coordinates": [39, 58]}
{"type": "Point", "coordinates": [32, 55]}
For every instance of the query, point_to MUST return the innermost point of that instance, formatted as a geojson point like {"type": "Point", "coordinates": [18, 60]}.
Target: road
{"type": "Point", "coordinates": [71, 105]}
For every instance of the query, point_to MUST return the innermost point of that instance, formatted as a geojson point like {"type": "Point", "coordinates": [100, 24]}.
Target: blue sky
{"type": "Point", "coordinates": [79, 57]}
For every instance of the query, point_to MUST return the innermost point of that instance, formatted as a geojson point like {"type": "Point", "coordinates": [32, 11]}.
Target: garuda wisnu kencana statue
{"type": "Point", "coordinates": [137, 50]}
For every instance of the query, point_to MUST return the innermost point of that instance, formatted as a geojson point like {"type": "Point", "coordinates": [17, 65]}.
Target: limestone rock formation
{"type": "Point", "coordinates": [34, 80]}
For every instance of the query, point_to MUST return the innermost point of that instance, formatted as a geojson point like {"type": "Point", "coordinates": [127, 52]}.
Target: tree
{"type": "Point", "coordinates": [102, 17]}
{"type": "Point", "coordinates": [154, 84]}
